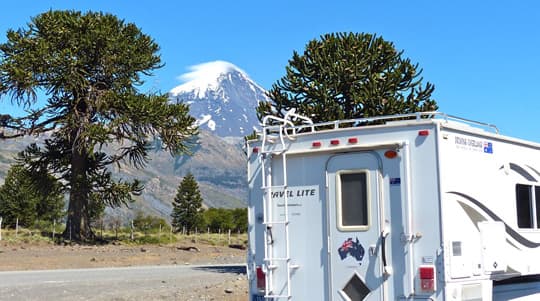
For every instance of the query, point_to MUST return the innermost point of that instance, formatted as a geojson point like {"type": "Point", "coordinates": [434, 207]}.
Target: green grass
{"type": "Point", "coordinates": [39, 236]}
{"type": "Point", "coordinates": [25, 236]}
{"type": "Point", "coordinates": [213, 239]}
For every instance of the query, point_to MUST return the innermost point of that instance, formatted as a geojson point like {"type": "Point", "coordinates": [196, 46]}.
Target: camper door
{"type": "Point", "coordinates": [354, 227]}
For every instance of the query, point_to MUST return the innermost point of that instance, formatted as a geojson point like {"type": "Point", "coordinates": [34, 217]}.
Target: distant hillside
{"type": "Point", "coordinates": [8, 151]}
{"type": "Point", "coordinates": [217, 165]}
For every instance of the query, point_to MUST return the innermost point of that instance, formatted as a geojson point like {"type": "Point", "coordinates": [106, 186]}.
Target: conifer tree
{"type": "Point", "coordinates": [187, 205]}
{"type": "Point", "coordinates": [30, 197]}
{"type": "Point", "coordinates": [346, 76]}
{"type": "Point", "coordinates": [77, 75]}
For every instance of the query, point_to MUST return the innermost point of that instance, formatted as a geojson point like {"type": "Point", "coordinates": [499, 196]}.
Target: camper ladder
{"type": "Point", "coordinates": [270, 150]}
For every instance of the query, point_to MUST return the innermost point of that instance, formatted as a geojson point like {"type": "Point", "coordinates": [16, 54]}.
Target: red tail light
{"type": "Point", "coordinates": [423, 133]}
{"type": "Point", "coordinates": [427, 278]}
{"type": "Point", "coordinates": [261, 279]}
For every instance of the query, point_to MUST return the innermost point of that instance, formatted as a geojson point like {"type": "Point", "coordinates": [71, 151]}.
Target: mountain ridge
{"type": "Point", "coordinates": [217, 165]}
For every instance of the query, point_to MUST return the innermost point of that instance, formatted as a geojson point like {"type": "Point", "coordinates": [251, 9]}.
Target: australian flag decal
{"type": "Point", "coordinates": [352, 248]}
{"type": "Point", "coordinates": [488, 147]}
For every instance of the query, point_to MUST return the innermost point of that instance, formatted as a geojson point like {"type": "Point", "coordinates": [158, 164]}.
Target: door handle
{"type": "Point", "coordinates": [387, 270]}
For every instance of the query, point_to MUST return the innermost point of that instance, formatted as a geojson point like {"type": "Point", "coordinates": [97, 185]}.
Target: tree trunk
{"type": "Point", "coordinates": [78, 222]}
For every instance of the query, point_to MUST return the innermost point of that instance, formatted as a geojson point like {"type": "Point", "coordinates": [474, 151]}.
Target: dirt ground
{"type": "Point", "coordinates": [34, 256]}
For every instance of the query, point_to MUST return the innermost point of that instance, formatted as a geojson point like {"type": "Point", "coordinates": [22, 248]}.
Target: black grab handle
{"type": "Point", "coordinates": [386, 269]}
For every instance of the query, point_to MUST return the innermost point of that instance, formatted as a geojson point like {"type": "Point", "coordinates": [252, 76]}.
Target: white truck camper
{"type": "Point", "coordinates": [424, 206]}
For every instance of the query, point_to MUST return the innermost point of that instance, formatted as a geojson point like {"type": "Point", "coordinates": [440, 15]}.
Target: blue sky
{"type": "Point", "coordinates": [482, 56]}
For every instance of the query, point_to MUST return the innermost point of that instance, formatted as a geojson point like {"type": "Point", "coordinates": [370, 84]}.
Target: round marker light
{"type": "Point", "coordinates": [390, 154]}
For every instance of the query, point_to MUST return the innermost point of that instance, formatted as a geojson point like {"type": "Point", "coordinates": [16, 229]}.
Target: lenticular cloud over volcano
{"type": "Point", "coordinates": [210, 70]}
{"type": "Point", "coordinates": [205, 75]}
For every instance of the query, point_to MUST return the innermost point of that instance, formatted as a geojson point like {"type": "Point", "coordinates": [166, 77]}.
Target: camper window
{"type": "Point", "coordinates": [528, 206]}
{"type": "Point", "coordinates": [352, 200]}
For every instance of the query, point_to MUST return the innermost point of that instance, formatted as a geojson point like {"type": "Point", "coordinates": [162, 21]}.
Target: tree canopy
{"type": "Point", "coordinates": [78, 76]}
{"type": "Point", "coordinates": [187, 205]}
{"type": "Point", "coordinates": [347, 76]}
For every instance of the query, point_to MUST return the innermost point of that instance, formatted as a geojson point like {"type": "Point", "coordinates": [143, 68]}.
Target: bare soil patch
{"type": "Point", "coordinates": [40, 256]}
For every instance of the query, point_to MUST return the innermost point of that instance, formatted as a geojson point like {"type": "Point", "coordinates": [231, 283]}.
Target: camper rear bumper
{"type": "Point", "coordinates": [257, 297]}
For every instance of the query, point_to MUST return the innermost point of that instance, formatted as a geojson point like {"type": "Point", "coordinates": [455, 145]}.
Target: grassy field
{"type": "Point", "coordinates": [125, 236]}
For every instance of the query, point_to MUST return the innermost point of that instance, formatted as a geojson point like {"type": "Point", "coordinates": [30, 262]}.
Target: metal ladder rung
{"type": "Point", "coordinates": [276, 223]}
{"type": "Point", "coordinates": [274, 187]}
{"type": "Point", "coordinates": [278, 296]}
{"type": "Point", "coordinates": [274, 151]}
{"type": "Point", "coordinates": [277, 259]}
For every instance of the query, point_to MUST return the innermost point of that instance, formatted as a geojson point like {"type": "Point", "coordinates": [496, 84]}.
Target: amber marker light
{"type": "Point", "coordinates": [390, 154]}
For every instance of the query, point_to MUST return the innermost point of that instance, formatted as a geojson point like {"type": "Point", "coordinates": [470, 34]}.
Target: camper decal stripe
{"type": "Point", "coordinates": [522, 240]}
{"type": "Point", "coordinates": [536, 171]}
{"type": "Point", "coordinates": [521, 171]}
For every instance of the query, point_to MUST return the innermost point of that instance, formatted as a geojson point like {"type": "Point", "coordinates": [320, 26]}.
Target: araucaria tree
{"type": "Point", "coordinates": [77, 75]}
{"type": "Point", "coordinates": [346, 76]}
{"type": "Point", "coordinates": [187, 205]}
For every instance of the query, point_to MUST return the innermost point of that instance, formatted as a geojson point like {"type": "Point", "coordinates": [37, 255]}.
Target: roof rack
{"type": "Point", "coordinates": [286, 125]}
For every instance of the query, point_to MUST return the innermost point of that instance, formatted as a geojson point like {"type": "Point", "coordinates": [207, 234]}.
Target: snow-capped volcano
{"type": "Point", "coordinates": [221, 96]}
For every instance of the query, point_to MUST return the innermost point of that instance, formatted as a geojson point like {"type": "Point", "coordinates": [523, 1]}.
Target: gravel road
{"type": "Point", "coordinates": [170, 282]}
